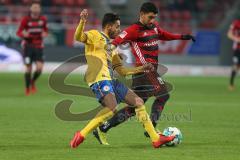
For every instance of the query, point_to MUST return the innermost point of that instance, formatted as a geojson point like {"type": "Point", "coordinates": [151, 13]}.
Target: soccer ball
{"type": "Point", "coordinates": [173, 131]}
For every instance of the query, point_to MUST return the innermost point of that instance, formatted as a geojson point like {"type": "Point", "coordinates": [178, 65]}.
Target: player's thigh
{"type": "Point", "coordinates": [142, 86]}
{"type": "Point", "coordinates": [236, 59]}
{"type": "Point", "coordinates": [28, 68]}
{"type": "Point", "coordinates": [39, 65]}
{"type": "Point", "coordinates": [39, 58]}
{"type": "Point", "coordinates": [28, 57]}
{"type": "Point", "coordinates": [132, 99]}
{"type": "Point", "coordinates": [104, 92]}
{"type": "Point", "coordinates": [120, 90]}
{"type": "Point", "coordinates": [109, 101]}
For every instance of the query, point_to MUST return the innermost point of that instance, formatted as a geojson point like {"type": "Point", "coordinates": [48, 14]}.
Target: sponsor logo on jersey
{"type": "Point", "coordinates": [123, 34]}
{"type": "Point", "coordinates": [151, 44]}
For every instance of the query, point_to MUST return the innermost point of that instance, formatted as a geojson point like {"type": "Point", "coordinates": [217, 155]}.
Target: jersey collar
{"type": "Point", "coordinates": [105, 36]}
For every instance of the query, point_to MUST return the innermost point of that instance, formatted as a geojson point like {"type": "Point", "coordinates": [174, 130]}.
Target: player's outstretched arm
{"type": "Point", "coordinates": [125, 71]}
{"type": "Point", "coordinates": [79, 34]}
{"type": "Point", "coordinates": [167, 36]}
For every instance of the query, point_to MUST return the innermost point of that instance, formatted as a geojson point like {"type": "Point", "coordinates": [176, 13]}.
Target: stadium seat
{"type": "Point", "coordinates": [69, 2]}
{"type": "Point", "coordinates": [164, 15]}
{"type": "Point", "coordinates": [3, 19]}
{"type": "Point", "coordinates": [5, 2]}
{"type": "Point", "coordinates": [186, 15]}
{"type": "Point", "coordinates": [80, 2]}
{"type": "Point", "coordinates": [58, 2]}
{"type": "Point", "coordinates": [26, 2]}
{"type": "Point", "coordinates": [185, 27]}
{"type": "Point", "coordinates": [175, 15]}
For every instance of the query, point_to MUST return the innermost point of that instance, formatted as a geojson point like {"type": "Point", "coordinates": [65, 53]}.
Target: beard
{"type": "Point", "coordinates": [150, 26]}
{"type": "Point", "coordinates": [112, 34]}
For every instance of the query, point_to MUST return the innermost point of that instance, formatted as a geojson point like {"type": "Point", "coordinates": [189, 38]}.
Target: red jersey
{"type": "Point", "coordinates": [235, 28]}
{"type": "Point", "coordinates": [35, 28]}
{"type": "Point", "coordinates": [144, 41]}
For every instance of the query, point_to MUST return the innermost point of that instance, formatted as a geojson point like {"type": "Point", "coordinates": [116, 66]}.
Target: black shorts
{"type": "Point", "coordinates": [32, 54]}
{"type": "Point", "coordinates": [144, 88]}
{"type": "Point", "coordinates": [236, 57]}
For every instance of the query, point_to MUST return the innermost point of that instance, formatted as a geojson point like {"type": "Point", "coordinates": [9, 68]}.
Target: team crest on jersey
{"type": "Point", "coordinates": [155, 29]}
{"type": "Point", "coordinates": [106, 88]}
{"type": "Point", "coordinates": [123, 34]}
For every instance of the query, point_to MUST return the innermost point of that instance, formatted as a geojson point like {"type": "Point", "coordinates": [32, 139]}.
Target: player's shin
{"type": "Point", "coordinates": [232, 77]}
{"type": "Point", "coordinates": [143, 117]}
{"type": "Point", "coordinates": [36, 75]}
{"type": "Point", "coordinates": [120, 117]}
{"type": "Point", "coordinates": [101, 117]}
{"type": "Point", "coordinates": [27, 77]}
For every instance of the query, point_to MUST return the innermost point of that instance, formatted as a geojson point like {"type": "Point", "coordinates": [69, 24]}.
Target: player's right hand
{"type": "Point", "coordinates": [25, 34]}
{"type": "Point", "coordinates": [188, 37]}
{"type": "Point", "coordinates": [148, 67]}
{"type": "Point", "coordinates": [84, 15]}
{"type": "Point", "coordinates": [44, 34]}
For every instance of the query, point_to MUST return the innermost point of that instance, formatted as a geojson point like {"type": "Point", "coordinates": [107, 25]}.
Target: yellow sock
{"type": "Point", "coordinates": [143, 117]}
{"type": "Point", "coordinates": [101, 117]}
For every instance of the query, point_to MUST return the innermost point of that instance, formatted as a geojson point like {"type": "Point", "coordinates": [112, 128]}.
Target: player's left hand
{"type": "Point", "coordinates": [44, 34]}
{"type": "Point", "coordinates": [148, 67]}
{"type": "Point", "coordinates": [84, 15]}
{"type": "Point", "coordinates": [188, 37]}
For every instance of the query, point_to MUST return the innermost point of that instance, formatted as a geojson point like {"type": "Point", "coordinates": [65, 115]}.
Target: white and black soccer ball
{"type": "Point", "coordinates": [173, 131]}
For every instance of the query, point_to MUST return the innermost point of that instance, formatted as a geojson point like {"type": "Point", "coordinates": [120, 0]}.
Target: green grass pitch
{"type": "Point", "coordinates": [202, 107]}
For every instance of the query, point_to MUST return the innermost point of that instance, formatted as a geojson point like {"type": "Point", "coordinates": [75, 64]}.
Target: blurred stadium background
{"type": "Point", "coordinates": [209, 20]}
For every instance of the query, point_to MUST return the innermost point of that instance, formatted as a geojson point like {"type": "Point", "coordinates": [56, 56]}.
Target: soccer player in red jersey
{"type": "Point", "coordinates": [234, 35]}
{"type": "Point", "coordinates": [32, 30]}
{"type": "Point", "coordinates": [143, 37]}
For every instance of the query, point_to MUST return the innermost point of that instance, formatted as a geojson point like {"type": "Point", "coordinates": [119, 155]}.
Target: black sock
{"type": "Point", "coordinates": [157, 108]}
{"type": "Point", "coordinates": [27, 76]}
{"type": "Point", "coordinates": [36, 75]}
{"type": "Point", "coordinates": [121, 116]}
{"type": "Point", "coordinates": [233, 75]}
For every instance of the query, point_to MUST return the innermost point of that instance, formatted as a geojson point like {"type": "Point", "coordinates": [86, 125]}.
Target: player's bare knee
{"type": "Point", "coordinates": [113, 108]}
{"type": "Point", "coordinates": [28, 68]}
{"type": "Point", "coordinates": [238, 68]}
{"type": "Point", "coordinates": [39, 71]}
{"type": "Point", "coordinates": [139, 101]}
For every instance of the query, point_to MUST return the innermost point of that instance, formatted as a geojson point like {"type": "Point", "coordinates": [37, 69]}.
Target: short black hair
{"type": "Point", "coordinates": [149, 7]}
{"type": "Point", "coordinates": [109, 18]}
{"type": "Point", "coordinates": [35, 2]}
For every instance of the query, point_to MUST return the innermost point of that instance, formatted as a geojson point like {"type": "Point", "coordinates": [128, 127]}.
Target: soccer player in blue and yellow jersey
{"type": "Point", "coordinates": [99, 76]}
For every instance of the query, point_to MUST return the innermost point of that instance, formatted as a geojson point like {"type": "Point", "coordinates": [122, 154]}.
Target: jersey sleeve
{"type": "Point", "coordinates": [22, 27]}
{"type": "Point", "coordinates": [165, 35]}
{"type": "Point", "coordinates": [91, 36]}
{"type": "Point", "coordinates": [129, 34]}
{"type": "Point", "coordinates": [79, 34]}
{"type": "Point", "coordinates": [122, 70]}
{"type": "Point", "coordinates": [45, 27]}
